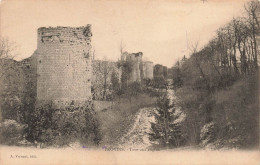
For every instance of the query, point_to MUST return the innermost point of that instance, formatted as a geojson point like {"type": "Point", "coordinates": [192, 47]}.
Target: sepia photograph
{"type": "Point", "coordinates": [129, 82]}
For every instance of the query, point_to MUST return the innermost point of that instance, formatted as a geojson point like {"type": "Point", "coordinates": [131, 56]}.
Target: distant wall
{"type": "Point", "coordinates": [170, 73]}
{"type": "Point", "coordinates": [135, 59]}
{"type": "Point", "coordinates": [160, 71]}
{"type": "Point", "coordinates": [148, 69]}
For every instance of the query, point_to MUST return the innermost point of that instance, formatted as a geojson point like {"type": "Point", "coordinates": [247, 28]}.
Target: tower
{"type": "Point", "coordinates": [64, 65]}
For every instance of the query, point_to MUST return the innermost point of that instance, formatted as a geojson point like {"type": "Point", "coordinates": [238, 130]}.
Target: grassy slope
{"type": "Point", "coordinates": [238, 108]}
{"type": "Point", "coordinates": [118, 119]}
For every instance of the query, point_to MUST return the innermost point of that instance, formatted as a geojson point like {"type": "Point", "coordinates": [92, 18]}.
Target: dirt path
{"type": "Point", "coordinates": [138, 136]}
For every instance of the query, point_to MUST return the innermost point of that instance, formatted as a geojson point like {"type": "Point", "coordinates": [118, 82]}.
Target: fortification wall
{"type": "Point", "coordinates": [160, 71]}
{"type": "Point", "coordinates": [137, 68]}
{"type": "Point", "coordinates": [148, 69]}
{"type": "Point", "coordinates": [64, 64]}
{"type": "Point", "coordinates": [165, 72]}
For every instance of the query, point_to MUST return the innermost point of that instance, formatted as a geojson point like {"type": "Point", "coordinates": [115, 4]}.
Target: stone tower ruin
{"type": "Point", "coordinates": [148, 69]}
{"type": "Point", "coordinates": [136, 61]}
{"type": "Point", "coordinates": [64, 65]}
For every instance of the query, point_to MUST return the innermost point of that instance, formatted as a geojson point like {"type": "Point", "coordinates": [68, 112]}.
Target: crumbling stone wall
{"type": "Point", "coordinates": [30, 72]}
{"type": "Point", "coordinates": [160, 71]}
{"type": "Point", "coordinates": [165, 72]}
{"type": "Point", "coordinates": [148, 69]}
{"type": "Point", "coordinates": [137, 65]}
{"type": "Point", "coordinates": [64, 65]}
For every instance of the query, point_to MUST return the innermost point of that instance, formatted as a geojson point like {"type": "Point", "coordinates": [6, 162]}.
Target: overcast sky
{"type": "Point", "coordinates": [159, 29]}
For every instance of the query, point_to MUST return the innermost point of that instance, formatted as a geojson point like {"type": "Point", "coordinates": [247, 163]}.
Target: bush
{"type": "Point", "coordinates": [236, 114]}
{"type": "Point", "coordinates": [63, 126]}
{"type": "Point", "coordinates": [159, 82]}
{"type": "Point", "coordinates": [11, 132]}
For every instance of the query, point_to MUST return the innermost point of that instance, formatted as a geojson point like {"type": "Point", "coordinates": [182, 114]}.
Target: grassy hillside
{"type": "Point", "coordinates": [117, 119]}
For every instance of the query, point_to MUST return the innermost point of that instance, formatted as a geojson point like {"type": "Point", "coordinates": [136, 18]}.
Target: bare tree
{"type": "Point", "coordinates": [11, 80]}
{"type": "Point", "coordinates": [253, 11]}
{"type": "Point", "coordinates": [7, 49]}
{"type": "Point", "coordinates": [105, 70]}
{"type": "Point", "coordinates": [7, 52]}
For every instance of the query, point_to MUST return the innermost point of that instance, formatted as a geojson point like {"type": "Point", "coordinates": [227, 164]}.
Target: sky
{"type": "Point", "coordinates": [161, 29]}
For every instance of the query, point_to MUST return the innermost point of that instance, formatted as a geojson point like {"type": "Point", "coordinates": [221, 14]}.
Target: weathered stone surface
{"type": "Point", "coordinates": [160, 71]}
{"type": "Point", "coordinates": [148, 69]}
{"type": "Point", "coordinates": [64, 64]}
{"type": "Point", "coordinates": [137, 68]}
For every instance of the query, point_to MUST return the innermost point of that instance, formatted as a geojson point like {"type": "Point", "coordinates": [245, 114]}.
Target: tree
{"type": "Point", "coordinates": [215, 77]}
{"type": "Point", "coordinates": [133, 90]}
{"type": "Point", "coordinates": [253, 11]}
{"type": "Point", "coordinates": [166, 130]}
{"type": "Point", "coordinates": [177, 77]}
{"type": "Point", "coordinates": [11, 81]}
{"type": "Point", "coordinates": [7, 52]}
{"type": "Point", "coordinates": [115, 83]}
{"type": "Point", "coordinates": [103, 71]}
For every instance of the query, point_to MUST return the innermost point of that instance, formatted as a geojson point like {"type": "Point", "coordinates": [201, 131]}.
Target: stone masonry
{"type": "Point", "coordinates": [64, 65]}
{"type": "Point", "coordinates": [148, 69]}
{"type": "Point", "coordinates": [160, 71]}
{"type": "Point", "coordinates": [137, 70]}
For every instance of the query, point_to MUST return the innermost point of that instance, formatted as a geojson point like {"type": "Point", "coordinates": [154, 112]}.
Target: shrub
{"type": "Point", "coordinates": [63, 126]}
{"type": "Point", "coordinates": [159, 82]}
{"type": "Point", "coordinates": [11, 132]}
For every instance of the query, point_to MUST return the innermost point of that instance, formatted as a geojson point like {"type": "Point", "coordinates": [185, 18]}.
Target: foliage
{"type": "Point", "coordinates": [101, 80]}
{"type": "Point", "coordinates": [215, 86]}
{"type": "Point", "coordinates": [11, 91]}
{"type": "Point", "coordinates": [134, 89]}
{"type": "Point", "coordinates": [115, 85]}
{"type": "Point", "coordinates": [62, 126]}
{"type": "Point", "coordinates": [117, 121]}
{"type": "Point", "coordinates": [159, 82]}
{"type": "Point", "coordinates": [166, 130]}
{"type": "Point", "coordinates": [177, 77]}
{"type": "Point", "coordinates": [7, 48]}
{"type": "Point", "coordinates": [236, 113]}
{"type": "Point", "coordinates": [11, 132]}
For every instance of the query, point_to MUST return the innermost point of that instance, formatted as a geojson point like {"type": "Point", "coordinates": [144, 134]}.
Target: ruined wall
{"type": "Point", "coordinates": [64, 64]}
{"type": "Point", "coordinates": [29, 66]}
{"type": "Point", "coordinates": [137, 65]}
{"type": "Point", "coordinates": [101, 75]}
{"type": "Point", "coordinates": [170, 73]}
{"type": "Point", "coordinates": [148, 69]}
{"type": "Point", "coordinates": [165, 72]}
{"type": "Point", "coordinates": [160, 71]}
